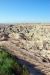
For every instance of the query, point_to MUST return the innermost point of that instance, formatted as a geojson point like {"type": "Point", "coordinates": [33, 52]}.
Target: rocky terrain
{"type": "Point", "coordinates": [29, 42]}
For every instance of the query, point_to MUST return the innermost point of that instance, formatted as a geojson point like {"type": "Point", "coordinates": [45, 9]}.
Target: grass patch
{"type": "Point", "coordinates": [9, 66]}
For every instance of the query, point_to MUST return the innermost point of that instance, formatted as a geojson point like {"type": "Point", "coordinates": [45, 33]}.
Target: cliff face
{"type": "Point", "coordinates": [28, 42]}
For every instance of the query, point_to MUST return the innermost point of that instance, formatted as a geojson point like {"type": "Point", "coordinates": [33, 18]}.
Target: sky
{"type": "Point", "coordinates": [21, 11]}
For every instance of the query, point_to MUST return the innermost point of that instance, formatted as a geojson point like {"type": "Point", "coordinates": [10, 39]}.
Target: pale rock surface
{"type": "Point", "coordinates": [14, 35]}
{"type": "Point", "coordinates": [30, 43]}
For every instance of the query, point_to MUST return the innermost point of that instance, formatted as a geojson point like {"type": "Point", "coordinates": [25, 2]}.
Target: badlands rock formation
{"type": "Point", "coordinates": [30, 42]}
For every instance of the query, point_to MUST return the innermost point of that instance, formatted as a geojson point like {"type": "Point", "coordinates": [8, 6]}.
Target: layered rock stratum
{"type": "Point", "coordinates": [30, 42]}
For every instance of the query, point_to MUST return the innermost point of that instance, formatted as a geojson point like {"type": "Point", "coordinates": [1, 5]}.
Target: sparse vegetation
{"type": "Point", "coordinates": [9, 66]}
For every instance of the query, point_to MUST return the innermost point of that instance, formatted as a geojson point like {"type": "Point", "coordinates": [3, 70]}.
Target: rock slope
{"type": "Point", "coordinates": [30, 42]}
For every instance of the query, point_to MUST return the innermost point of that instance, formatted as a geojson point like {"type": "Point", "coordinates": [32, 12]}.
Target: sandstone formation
{"type": "Point", "coordinates": [30, 42]}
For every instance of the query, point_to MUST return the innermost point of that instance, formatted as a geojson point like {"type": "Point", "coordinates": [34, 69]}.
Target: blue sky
{"type": "Point", "coordinates": [13, 11]}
